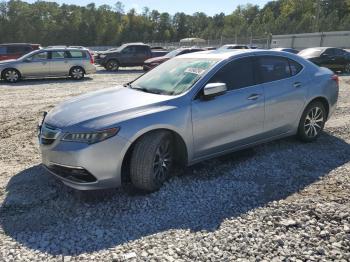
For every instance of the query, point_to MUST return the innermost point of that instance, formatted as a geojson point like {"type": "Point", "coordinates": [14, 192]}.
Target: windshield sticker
{"type": "Point", "coordinates": [196, 71]}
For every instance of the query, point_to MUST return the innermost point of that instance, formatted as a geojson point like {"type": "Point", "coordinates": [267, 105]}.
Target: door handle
{"type": "Point", "coordinates": [297, 84]}
{"type": "Point", "coordinates": [253, 97]}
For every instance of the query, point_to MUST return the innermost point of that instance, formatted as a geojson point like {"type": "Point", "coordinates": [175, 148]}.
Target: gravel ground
{"type": "Point", "coordinates": [282, 201]}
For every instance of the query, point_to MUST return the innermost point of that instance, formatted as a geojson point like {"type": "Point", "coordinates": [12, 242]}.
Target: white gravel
{"type": "Point", "coordinates": [282, 201]}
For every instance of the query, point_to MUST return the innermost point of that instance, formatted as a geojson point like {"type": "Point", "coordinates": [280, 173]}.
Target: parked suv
{"type": "Point", "coordinates": [48, 62]}
{"type": "Point", "coordinates": [14, 51]}
{"type": "Point", "coordinates": [133, 54]}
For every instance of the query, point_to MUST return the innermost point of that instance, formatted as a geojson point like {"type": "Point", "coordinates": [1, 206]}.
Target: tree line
{"type": "Point", "coordinates": [49, 23]}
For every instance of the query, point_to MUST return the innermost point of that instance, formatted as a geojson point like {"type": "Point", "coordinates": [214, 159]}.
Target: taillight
{"type": "Point", "coordinates": [91, 58]}
{"type": "Point", "coordinates": [336, 79]}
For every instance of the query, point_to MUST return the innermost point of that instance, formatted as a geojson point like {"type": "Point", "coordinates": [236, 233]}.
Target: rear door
{"type": "Point", "coordinates": [285, 92]}
{"type": "Point", "coordinates": [36, 65]}
{"type": "Point", "coordinates": [340, 59]}
{"type": "Point", "coordinates": [59, 63]}
{"type": "Point", "coordinates": [233, 119]}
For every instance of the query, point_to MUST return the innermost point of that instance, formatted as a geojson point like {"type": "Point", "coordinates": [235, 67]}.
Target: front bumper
{"type": "Point", "coordinates": [86, 167]}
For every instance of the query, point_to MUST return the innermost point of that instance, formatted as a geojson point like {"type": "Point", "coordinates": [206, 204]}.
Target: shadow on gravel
{"type": "Point", "coordinates": [44, 81]}
{"type": "Point", "coordinates": [42, 214]}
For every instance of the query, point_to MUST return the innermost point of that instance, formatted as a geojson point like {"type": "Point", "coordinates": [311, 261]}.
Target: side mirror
{"type": "Point", "coordinates": [325, 55]}
{"type": "Point", "coordinates": [214, 89]}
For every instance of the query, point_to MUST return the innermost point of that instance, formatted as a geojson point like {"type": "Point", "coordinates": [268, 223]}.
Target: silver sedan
{"type": "Point", "coordinates": [189, 109]}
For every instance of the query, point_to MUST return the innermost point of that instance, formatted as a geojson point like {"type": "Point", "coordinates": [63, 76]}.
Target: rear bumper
{"type": "Point", "coordinates": [86, 167]}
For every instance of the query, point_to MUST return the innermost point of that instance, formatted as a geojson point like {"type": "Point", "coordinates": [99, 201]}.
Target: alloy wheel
{"type": "Point", "coordinates": [162, 162]}
{"type": "Point", "coordinates": [313, 122]}
{"type": "Point", "coordinates": [77, 73]}
{"type": "Point", "coordinates": [11, 76]}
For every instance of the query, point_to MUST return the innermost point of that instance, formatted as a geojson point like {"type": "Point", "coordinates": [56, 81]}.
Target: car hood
{"type": "Point", "coordinates": [156, 59]}
{"type": "Point", "coordinates": [5, 62]}
{"type": "Point", "coordinates": [115, 104]}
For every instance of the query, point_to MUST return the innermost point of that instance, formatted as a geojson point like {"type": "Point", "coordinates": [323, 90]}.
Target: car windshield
{"type": "Point", "coordinates": [310, 52]}
{"type": "Point", "coordinates": [173, 53]}
{"type": "Point", "coordinates": [174, 76]}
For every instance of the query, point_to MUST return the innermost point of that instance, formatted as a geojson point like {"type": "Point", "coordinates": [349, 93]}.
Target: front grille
{"type": "Point", "coordinates": [79, 175]}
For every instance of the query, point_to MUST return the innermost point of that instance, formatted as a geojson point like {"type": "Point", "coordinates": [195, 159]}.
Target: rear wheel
{"type": "Point", "coordinates": [152, 161]}
{"type": "Point", "coordinates": [312, 122]}
{"type": "Point", "coordinates": [77, 73]}
{"type": "Point", "coordinates": [112, 65]}
{"type": "Point", "coordinates": [11, 75]}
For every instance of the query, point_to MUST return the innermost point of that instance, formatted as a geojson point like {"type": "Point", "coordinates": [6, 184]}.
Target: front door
{"type": "Point", "coordinates": [36, 65]}
{"type": "Point", "coordinates": [232, 119]}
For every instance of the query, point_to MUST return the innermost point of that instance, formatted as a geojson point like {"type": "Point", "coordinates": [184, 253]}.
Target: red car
{"type": "Point", "coordinates": [155, 61]}
{"type": "Point", "coordinates": [14, 51]}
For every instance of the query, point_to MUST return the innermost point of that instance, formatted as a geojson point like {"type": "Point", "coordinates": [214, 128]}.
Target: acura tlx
{"type": "Point", "coordinates": [188, 109]}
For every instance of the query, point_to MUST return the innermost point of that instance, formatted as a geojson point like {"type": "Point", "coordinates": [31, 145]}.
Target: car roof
{"type": "Point", "coordinates": [18, 44]}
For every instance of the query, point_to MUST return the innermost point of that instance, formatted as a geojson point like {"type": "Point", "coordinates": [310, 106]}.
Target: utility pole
{"type": "Point", "coordinates": [317, 17]}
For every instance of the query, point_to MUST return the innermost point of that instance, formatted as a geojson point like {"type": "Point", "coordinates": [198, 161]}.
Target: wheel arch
{"type": "Point", "coordinates": [74, 66]}
{"type": "Point", "coordinates": [7, 68]}
{"type": "Point", "coordinates": [181, 151]}
{"type": "Point", "coordinates": [323, 100]}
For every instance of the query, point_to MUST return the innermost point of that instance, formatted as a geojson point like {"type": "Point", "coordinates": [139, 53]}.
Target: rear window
{"type": "Point", "coordinates": [273, 68]}
{"type": "Point", "coordinates": [77, 54]}
{"type": "Point", "coordinates": [16, 49]}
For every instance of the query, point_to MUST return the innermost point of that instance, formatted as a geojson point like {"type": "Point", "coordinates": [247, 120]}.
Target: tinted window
{"type": "Point", "coordinates": [236, 74]}
{"type": "Point", "coordinates": [273, 68]}
{"type": "Point", "coordinates": [15, 49]}
{"type": "Point", "coordinates": [141, 49]}
{"type": "Point", "coordinates": [129, 50]}
{"type": "Point", "coordinates": [77, 54]}
{"type": "Point", "coordinates": [3, 50]}
{"type": "Point", "coordinates": [338, 52]}
{"type": "Point", "coordinates": [330, 51]}
{"type": "Point", "coordinates": [59, 55]}
{"type": "Point", "coordinates": [39, 56]}
{"type": "Point", "coordinates": [295, 67]}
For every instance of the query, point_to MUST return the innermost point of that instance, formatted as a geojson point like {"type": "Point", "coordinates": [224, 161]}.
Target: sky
{"type": "Point", "coordinates": [210, 7]}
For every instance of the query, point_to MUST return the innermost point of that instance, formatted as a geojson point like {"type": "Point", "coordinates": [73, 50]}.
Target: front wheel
{"type": "Point", "coordinates": [77, 73]}
{"type": "Point", "coordinates": [152, 161]}
{"type": "Point", "coordinates": [11, 75]}
{"type": "Point", "coordinates": [312, 122]}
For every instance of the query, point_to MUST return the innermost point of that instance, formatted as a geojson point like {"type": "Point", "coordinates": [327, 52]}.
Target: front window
{"type": "Point", "coordinates": [174, 76]}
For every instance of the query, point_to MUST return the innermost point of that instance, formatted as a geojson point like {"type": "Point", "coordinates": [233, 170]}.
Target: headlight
{"type": "Point", "coordinates": [91, 137]}
{"type": "Point", "coordinates": [103, 56]}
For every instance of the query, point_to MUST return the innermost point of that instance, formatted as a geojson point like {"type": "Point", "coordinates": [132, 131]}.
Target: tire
{"type": "Point", "coordinates": [77, 73]}
{"type": "Point", "coordinates": [11, 75]}
{"type": "Point", "coordinates": [312, 122]}
{"type": "Point", "coordinates": [347, 68]}
{"type": "Point", "coordinates": [152, 161]}
{"type": "Point", "coordinates": [112, 65]}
